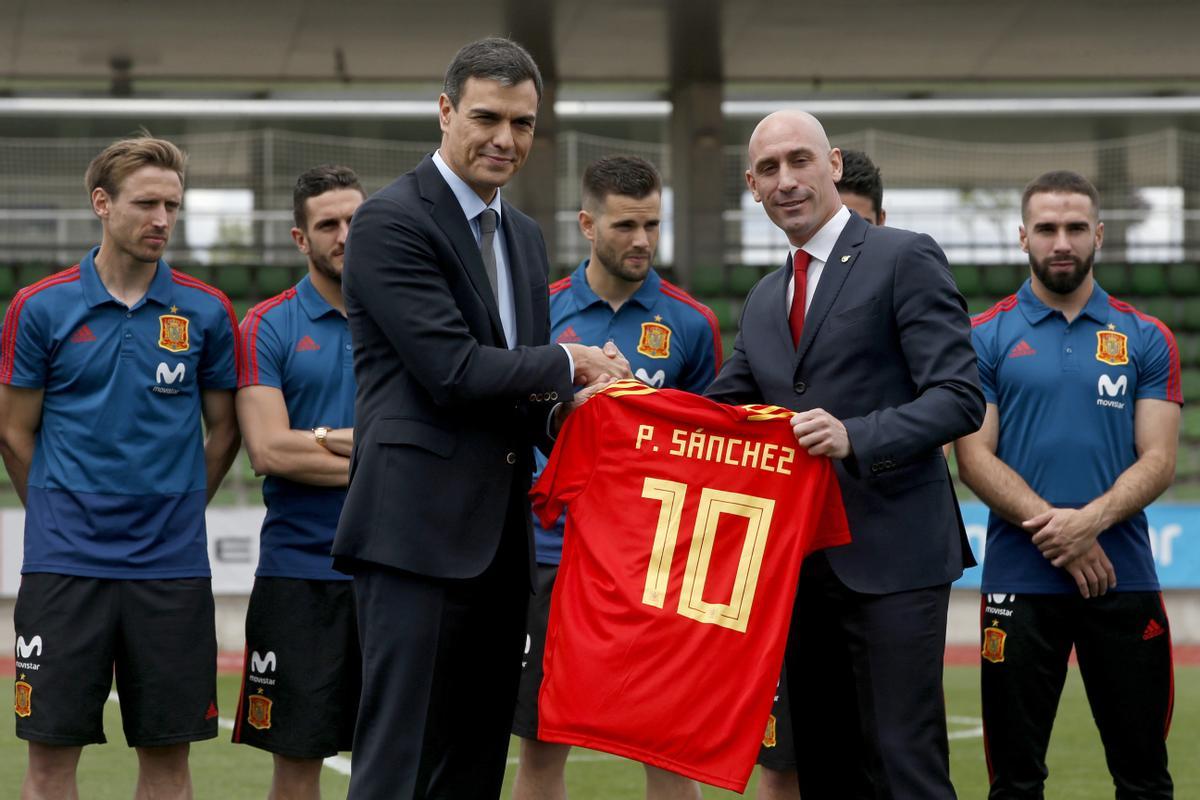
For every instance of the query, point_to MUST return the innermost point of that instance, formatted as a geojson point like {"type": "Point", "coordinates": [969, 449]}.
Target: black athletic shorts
{"type": "Point", "coordinates": [303, 671]}
{"type": "Point", "coordinates": [159, 636]}
{"type": "Point", "coordinates": [525, 718]}
{"type": "Point", "coordinates": [778, 747]}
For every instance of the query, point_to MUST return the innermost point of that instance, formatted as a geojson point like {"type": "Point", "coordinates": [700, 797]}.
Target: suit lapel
{"type": "Point", "coordinates": [448, 215]}
{"type": "Point", "coordinates": [520, 261]}
{"type": "Point", "coordinates": [833, 277]}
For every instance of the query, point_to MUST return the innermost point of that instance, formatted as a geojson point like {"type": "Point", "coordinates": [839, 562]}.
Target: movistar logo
{"type": "Point", "coordinates": [1106, 387]}
{"type": "Point", "coordinates": [262, 664]}
{"type": "Point", "coordinates": [26, 649]}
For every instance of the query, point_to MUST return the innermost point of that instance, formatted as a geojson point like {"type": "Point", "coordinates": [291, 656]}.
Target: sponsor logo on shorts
{"type": "Point", "coordinates": [262, 665]}
{"type": "Point", "coordinates": [993, 643]}
{"type": "Point", "coordinates": [259, 713]}
{"type": "Point", "coordinates": [995, 600]}
{"type": "Point", "coordinates": [212, 712]}
{"type": "Point", "coordinates": [22, 698]}
{"type": "Point", "coordinates": [33, 647]}
{"type": "Point", "coordinates": [1153, 631]}
{"type": "Point", "coordinates": [769, 738]}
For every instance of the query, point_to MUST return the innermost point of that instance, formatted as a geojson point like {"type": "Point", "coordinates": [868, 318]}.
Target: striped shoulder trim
{"type": "Point", "coordinates": [674, 292]}
{"type": "Point", "coordinates": [626, 386]}
{"type": "Point", "coordinates": [183, 279]}
{"type": "Point", "coordinates": [1174, 372]}
{"type": "Point", "coordinates": [248, 373]}
{"type": "Point", "coordinates": [12, 318]}
{"type": "Point", "coordinates": [560, 284]}
{"type": "Point", "coordinates": [1007, 304]}
{"type": "Point", "coordinates": [763, 413]}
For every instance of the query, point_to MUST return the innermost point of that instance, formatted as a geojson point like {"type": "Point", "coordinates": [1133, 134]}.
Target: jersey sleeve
{"type": "Point", "coordinates": [981, 339]}
{"type": "Point", "coordinates": [263, 352]}
{"type": "Point", "coordinates": [704, 359]}
{"type": "Point", "coordinates": [832, 528]}
{"type": "Point", "coordinates": [1158, 376]}
{"type": "Point", "coordinates": [570, 467]}
{"type": "Point", "coordinates": [24, 350]}
{"type": "Point", "coordinates": [220, 361]}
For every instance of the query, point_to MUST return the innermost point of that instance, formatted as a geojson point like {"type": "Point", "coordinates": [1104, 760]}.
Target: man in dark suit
{"type": "Point", "coordinates": [445, 288]}
{"type": "Point", "coordinates": [864, 333]}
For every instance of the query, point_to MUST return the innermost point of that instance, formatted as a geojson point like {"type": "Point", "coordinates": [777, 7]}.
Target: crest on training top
{"type": "Point", "coordinates": [769, 738]}
{"type": "Point", "coordinates": [22, 698]}
{"type": "Point", "coordinates": [993, 644]}
{"type": "Point", "coordinates": [655, 341]}
{"type": "Point", "coordinates": [173, 333]}
{"type": "Point", "coordinates": [1112, 348]}
{"type": "Point", "coordinates": [259, 713]}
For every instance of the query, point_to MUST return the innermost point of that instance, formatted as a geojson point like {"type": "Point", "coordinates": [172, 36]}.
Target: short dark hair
{"type": "Point", "coordinates": [123, 157]}
{"type": "Point", "coordinates": [494, 58]}
{"type": "Point", "coordinates": [628, 176]}
{"type": "Point", "coordinates": [860, 176]}
{"type": "Point", "coordinates": [317, 181]}
{"type": "Point", "coordinates": [1060, 181]}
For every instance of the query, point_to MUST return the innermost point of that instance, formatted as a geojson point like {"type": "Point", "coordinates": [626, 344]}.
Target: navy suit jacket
{"type": "Point", "coordinates": [445, 414]}
{"type": "Point", "coordinates": [886, 349]}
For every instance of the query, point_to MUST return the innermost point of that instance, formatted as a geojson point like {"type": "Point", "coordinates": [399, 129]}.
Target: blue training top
{"type": "Point", "coordinates": [670, 338]}
{"type": "Point", "coordinates": [1066, 395]}
{"type": "Point", "coordinates": [117, 486]}
{"type": "Point", "coordinates": [299, 344]}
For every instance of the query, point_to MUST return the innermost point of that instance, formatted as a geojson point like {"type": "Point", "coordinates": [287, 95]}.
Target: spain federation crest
{"type": "Point", "coordinates": [173, 333]}
{"type": "Point", "coordinates": [1112, 348]}
{"type": "Point", "coordinates": [655, 341]}
{"type": "Point", "coordinates": [22, 698]}
{"type": "Point", "coordinates": [993, 644]}
{"type": "Point", "coordinates": [259, 713]}
{"type": "Point", "coordinates": [769, 738]}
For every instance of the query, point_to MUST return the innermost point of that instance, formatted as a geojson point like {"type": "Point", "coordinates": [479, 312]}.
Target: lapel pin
{"type": "Point", "coordinates": [845, 259]}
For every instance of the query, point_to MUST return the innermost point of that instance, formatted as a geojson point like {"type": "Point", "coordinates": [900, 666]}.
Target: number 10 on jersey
{"type": "Point", "coordinates": [757, 512]}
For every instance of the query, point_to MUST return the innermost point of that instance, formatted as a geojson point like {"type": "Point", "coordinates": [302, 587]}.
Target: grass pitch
{"type": "Point", "coordinates": [224, 771]}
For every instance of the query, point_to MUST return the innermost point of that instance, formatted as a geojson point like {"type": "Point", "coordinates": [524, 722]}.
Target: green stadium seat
{"type": "Point", "coordinates": [743, 278]}
{"type": "Point", "coordinates": [707, 279]}
{"type": "Point", "coordinates": [726, 310]}
{"type": "Point", "coordinates": [1191, 383]}
{"type": "Point", "coordinates": [1183, 279]}
{"type": "Point", "coordinates": [559, 272]}
{"type": "Point", "coordinates": [727, 340]}
{"type": "Point", "coordinates": [270, 281]}
{"type": "Point", "coordinates": [1148, 279]}
{"type": "Point", "coordinates": [1191, 423]}
{"type": "Point", "coordinates": [1187, 464]}
{"type": "Point", "coordinates": [1114, 278]}
{"type": "Point", "coordinates": [8, 282]}
{"type": "Point", "coordinates": [1191, 314]}
{"type": "Point", "coordinates": [1189, 349]}
{"type": "Point", "coordinates": [966, 276]}
{"type": "Point", "coordinates": [980, 303]}
{"type": "Point", "coordinates": [1166, 309]}
{"type": "Point", "coordinates": [1001, 280]}
{"type": "Point", "coordinates": [234, 281]}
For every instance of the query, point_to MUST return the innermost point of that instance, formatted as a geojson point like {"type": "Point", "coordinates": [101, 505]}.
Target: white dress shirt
{"type": "Point", "coordinates": [818, 248]}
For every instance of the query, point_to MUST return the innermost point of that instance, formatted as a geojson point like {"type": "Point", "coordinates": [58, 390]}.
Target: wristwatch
{"type": "Point", "coordinates": [319, 433]}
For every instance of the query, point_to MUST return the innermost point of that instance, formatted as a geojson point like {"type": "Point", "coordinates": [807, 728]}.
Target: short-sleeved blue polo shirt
{"type": "Point", "coordinates": [300, 344]}
{"type": "Point", "coordinates": [671, 340]}
{"type": "Point", "coordinates": [117, 484]}
{"type": "Point", "coordinates": [1066, 394]}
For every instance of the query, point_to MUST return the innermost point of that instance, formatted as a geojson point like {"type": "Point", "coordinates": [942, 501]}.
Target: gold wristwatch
{"type": "Point", "coordinates": [319, 433]}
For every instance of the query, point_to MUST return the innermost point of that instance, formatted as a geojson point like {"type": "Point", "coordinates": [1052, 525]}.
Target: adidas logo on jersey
{"type": "Point", "coordinates": [306, 344]}
{"type": "Point", "coordinates": [1022, 349]}
{"type": "Point", "coordinates": [1153, 629]}
{"type": "Point", "coordinates": [569, 336]}
{"type": "Point", "coordinates": [84, 334]}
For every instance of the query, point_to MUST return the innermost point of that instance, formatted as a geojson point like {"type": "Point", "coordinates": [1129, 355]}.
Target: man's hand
{"type": "Point", "coordinates": [1064, 534]}
{"type": "Point", "coordinates": [1093, 572]}
{"type": "Point", "coordinates": [563, 410]}
{"type": "Point", "coordinates": [592, 363]}
{"type": "Point", "coordinates": [821, 434]}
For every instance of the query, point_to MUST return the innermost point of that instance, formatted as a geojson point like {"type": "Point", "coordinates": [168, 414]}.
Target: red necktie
{"type": "Point", "coordinates": [796, 318]}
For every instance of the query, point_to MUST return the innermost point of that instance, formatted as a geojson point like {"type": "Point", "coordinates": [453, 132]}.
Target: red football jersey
{"type": "Point", "coordinates": [687, 521]}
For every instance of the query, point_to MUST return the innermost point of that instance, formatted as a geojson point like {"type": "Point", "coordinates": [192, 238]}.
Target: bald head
{"type": "Point", "coordinates": [794, 172]}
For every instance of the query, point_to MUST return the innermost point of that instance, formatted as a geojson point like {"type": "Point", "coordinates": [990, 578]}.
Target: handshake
{"type": "Point", "coordinates": [597, 367]}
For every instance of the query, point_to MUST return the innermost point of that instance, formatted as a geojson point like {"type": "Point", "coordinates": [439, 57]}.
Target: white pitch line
{"type": "Point", "coordinates": [336, 763]}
